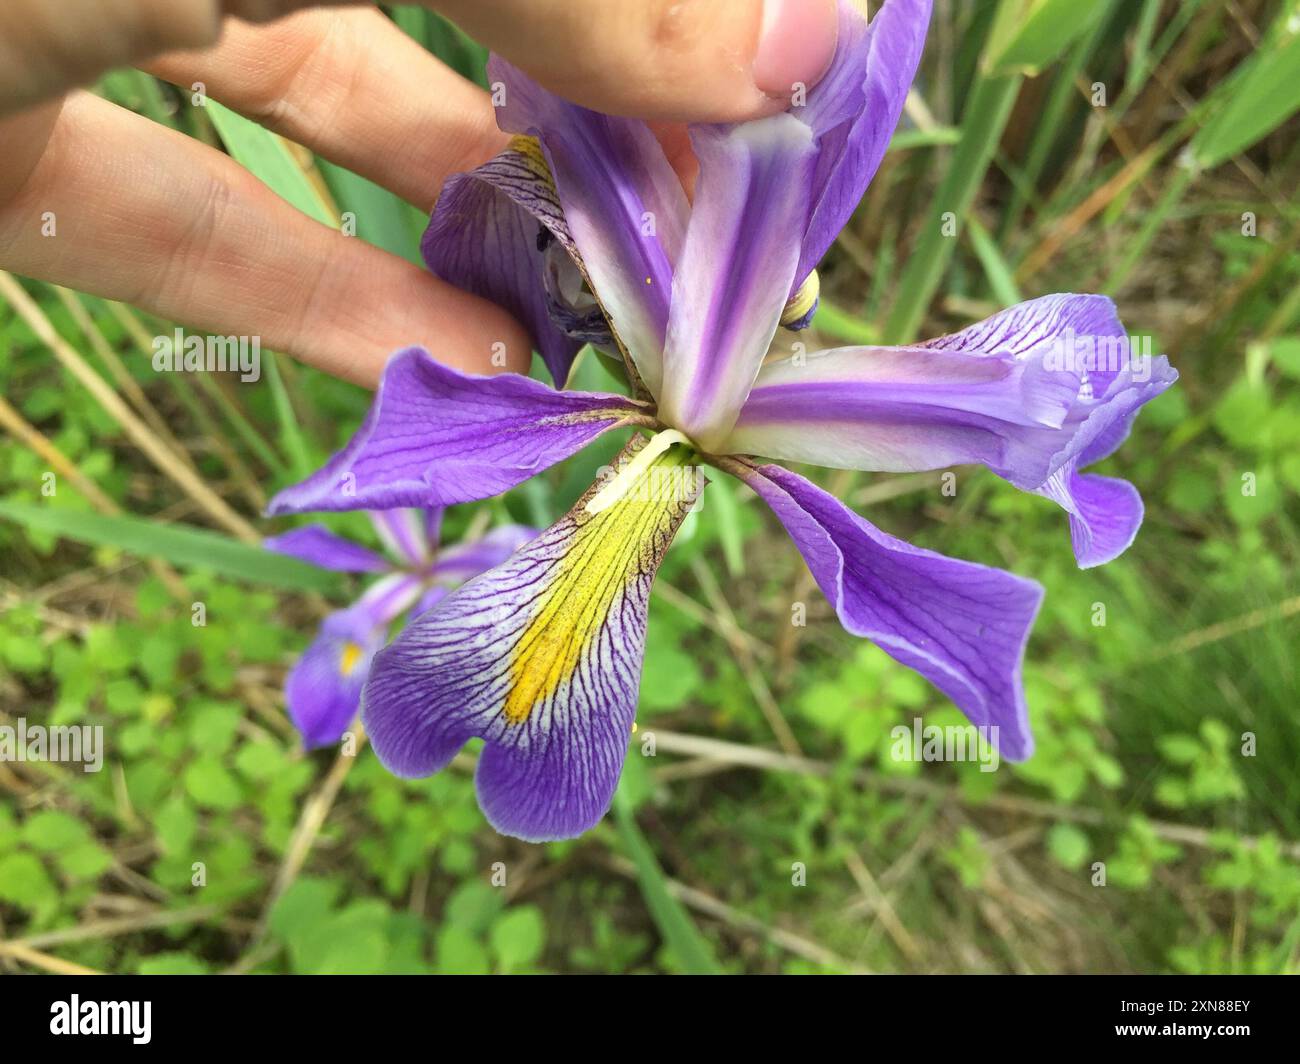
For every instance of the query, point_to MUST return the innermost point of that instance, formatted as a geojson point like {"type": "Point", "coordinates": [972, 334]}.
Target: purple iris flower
{"type": "Point", "coordinates": [323, 689]}
{"type": "Point", "coordinates": [584, 231]}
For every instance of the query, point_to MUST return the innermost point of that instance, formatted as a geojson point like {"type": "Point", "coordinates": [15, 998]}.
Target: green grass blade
{"type": "Point", "coordinates": [292, 439]}
{"type": "Point", "coordinates": [136, 90]}
{"type": "Point", "coordinates": [1049, 125]}
{"type": "Point", "coordinates": [939, 136]}
{"type": "Point", "coordinates": [836, 322]}
{"type": "Point", "coordinates": [1263, 94]}
{"type": "Point", "coordinates": [458, 50]}
{"type": "Point", "coordinates": [1000, 276]}
{"type": "Point", "coordinates": [381, 218]}
{"type": "Point", "coordinates": [1039, 32]}
{"type": "Point", "coordinates": [189, 548]}
{"type": "Point", "coordinates": [1173, 194]}
{"type": "Point", "coordinates": [986, 117]}
{"type": "Point", "coordinates": [670, 916]}
{"type": "Point", "coordinates": [726, 513]}
{"type": "Point", "coordinates": [267, 157]}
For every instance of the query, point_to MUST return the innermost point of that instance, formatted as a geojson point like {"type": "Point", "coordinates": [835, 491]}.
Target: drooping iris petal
{"type": "Point", "coordinates": [405, 534]}
{"type": "Point", "coordinates": [323, 689]}
{"type": "Point", "coordinates": [1083, 334]}
{"type": "Point", "coordinates": [483, 237]}
{"type": "Point", "coordinates": [541, 657]}
{"type": "Point", "coordinates": [735, 272]}
{"type": "Point", "coordinates": [435, 436]}
{"type": "Point", "coordinates": [901, 409]}
{"type": "Point", "coordinates": [1032, 394]}
{"type": "Point", "coordinates": [962, 626]}
{"type": "Point", "coordinates": [854, 111]}
{"type": "Point", "coordinates": [1105, 513]}
{"type": "Point", "coordinates": [623, 203]}
{"type": "Point", "coordinates": [320, 547]}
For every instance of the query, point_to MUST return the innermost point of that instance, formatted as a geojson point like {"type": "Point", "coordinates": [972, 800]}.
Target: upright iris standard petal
{"type": "Point", "coordinates": [323, 689]}
{"type": "Point", "coordinates": [623, 204]}
{"type": "Point", "coordinates": [962, 626]}
{"type": "Point", "coordinates": [1031, 393]}
{"type": "Point", "coordinates": [406, 533]}
{"type": "Point", "coordinates": [541, 657]}
{"type": "Point", "coordinates": [483, 237]}
{"type": "Point", "coordinates": [318, 546]}
{"type": "Point", "coordinates": [735, 274]}
{"type": "Point", "coordinates": [854, 111]}
{"type": "Point", "coordinates": [434, 436]}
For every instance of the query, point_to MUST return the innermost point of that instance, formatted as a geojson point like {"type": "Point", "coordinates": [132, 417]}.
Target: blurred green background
{"type": "Point", "coordinates": [1141, 148]}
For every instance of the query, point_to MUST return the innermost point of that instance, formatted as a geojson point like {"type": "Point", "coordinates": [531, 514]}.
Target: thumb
{"type": "Point", "coordinates": [680, 60]}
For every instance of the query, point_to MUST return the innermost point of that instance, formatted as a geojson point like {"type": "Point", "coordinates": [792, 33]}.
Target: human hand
{"type": "Point", "coordinates": [151, 217]}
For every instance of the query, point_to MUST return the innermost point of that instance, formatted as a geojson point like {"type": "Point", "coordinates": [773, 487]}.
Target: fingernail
{"type": "Point", "coordinates": [795, 45]}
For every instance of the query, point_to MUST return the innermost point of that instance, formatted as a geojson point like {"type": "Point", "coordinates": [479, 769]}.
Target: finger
{"type": "Point", "coordinates": [45, 48]}
{"type": "Point", "coordinates": [139, 213]}
{"type": "Point", "coordinates": [681, 60]}
{"type": "Point", "coordinates": [353, 87]}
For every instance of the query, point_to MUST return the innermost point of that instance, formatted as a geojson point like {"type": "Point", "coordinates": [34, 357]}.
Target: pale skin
{"type": "Point", "coordinates": [151, 217]}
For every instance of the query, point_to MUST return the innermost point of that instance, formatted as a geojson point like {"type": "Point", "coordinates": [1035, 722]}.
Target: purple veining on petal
{"type": "Point", "coordinates": [962, 626]}
{"type": "Point", "coordinates": [434, 436]}
{"type": "Point", "coordinates": [854, 111]}
{"type": "Point", "coordinates": [483, 237]}
{"type": "Point", "coordinates": [444, 679]}
{"type": "Point", "coordinates": [541, 657]}
{"type": "Point", "coordinates": [1082, 333]}
{"type": "Point", "coordinates": [909, 409]}
{"type": "Point", "coordinates": [1034, 393]}
{"type": "Point", "coordinates": [623, 203]}
{"type": "Point", "coordinates": [751, 206]}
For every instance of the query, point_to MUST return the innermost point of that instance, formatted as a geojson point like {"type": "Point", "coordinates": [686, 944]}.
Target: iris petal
{"type": "Point", "coordinates": [735, 274]}
{"type": "Point", "coordinates": [323, 689]}
{"type": "Point", "coordinates": [962, 626]}
{"type": "Point", "coordinates": [1033, 393]}
{"type": "Point", "coordinates": [405, 533]}
{"type": "Point", "coordinates": [622, 202]}
{"type": "Point", "coordinates": [317, 545]}
{"type": "Point", "coordinates": [483, 237]}
{"type": "Point", "coordinates": [541, 657]}
{"type": "Point", "coordinates": [854, 111]}
{"type": "Point", "coordinates": [434, 436]}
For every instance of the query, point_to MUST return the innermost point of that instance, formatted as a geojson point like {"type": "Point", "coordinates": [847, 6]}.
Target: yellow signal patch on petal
{"type": "Point", "coordinates": [609, 550]}
{"type": "Point", "coordinates": [349, 659]}
{"type": "Point", "coordinates": [531, 150]}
